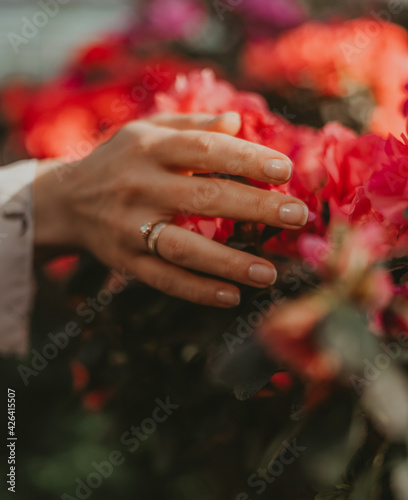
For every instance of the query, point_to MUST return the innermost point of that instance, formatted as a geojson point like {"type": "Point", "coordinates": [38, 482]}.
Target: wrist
{"type": "Point", "coordinates": [54, 224]}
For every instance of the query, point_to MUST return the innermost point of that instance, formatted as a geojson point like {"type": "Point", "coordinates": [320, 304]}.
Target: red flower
{"type": "Point", "coordinates": [212, 228]}
{"type": "Point", "coordinates": [282, 381]}
{"type": "Point", "coordinates": [80, 375]}
{"type": "Point", "coordinates": [201, 92]}
{"type": "Point", "coordinates": [387, 189]}
{"type": "Point", "coordinates": [335, 59]}
{"type": "Point", "coordinates": [95, 401]}
{"type": "Point", "coordinates": [288, 337]}
{"type": "Point", "coordinates": [62, 268]}
{"type": "Point", "coordinates": [349, 160]}
{"type": "Point", "coordinates": [331, 165]}
{"type": "Point", "coordinates": [348, 265]}
{"type": "Point", "coordinates": [107, 85]}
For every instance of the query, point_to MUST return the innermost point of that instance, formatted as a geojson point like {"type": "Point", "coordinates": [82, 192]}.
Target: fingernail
{"type": "Point", "coordinates": [294, 214]}
{"type": "Point", "coordinates": [229, 114]}
{"type": "Point", "coordinates": [228, 298]}
{"type": "Point", "coordinates": [264, 275]}
{"type": "Point", "coordinates": [278, 170]}
{"type": "Point", "coordinates": [232, 114]}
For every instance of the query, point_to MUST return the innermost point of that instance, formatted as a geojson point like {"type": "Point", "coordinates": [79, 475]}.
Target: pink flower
{"type": "Point", "coordinates": [349, 160]}
{"type": "Point", "coordinates": [346, 252]}
{"type": "Point", "coordinates": [315, 250]}
{"type": "Point", "coordinates": [171, 19]}
{"type": "Point", "coordinates": [212, 228]}
{"type": "Point", "coordinates": [362, 247]}
{"type": "Point", "coordinates": [287, 335]}
{"type": "Point", "coordinates": [308, 149]}
{"type": "Point", "coordinates": [387, 189]}
{"type": "Point", "coordinates": [379, 290]}
{"type": "Point", "coordinates": [361, 210]}
{"type": "Point", "coordinates": [348, 264]}
{"type": "Point", "coordinates": [261, 15]}
{"type": "Point", "coordinates": [201, 92]}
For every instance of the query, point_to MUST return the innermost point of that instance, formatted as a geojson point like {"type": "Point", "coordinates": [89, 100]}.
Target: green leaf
{"type": "Point", "coordinates": [241, 363]}
{"type": "Point", "coordinates": [345, 335]}
{"type": "Point", "coordinates": [269, 232]}
{"type": "Point", "coordinates": [342, 492]}
{"type": "Point", "coordinates": [385, 400]}
{"type": "Point", "coordinates": [399, 479]}
{"type": "Point", "coordinates": [332, 435]}
{"type": "Point", "coordinates": [366, 487]}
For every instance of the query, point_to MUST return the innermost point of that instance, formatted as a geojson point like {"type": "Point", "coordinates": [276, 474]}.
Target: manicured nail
{"type": "Point", "coordinates": [228, 298]}
{"type": "Point", "coordinates": [264, 275]}
{"type": "Point", "coordinates": [229, 114]}
{"type": "Point", "coordinates": [232, 114]}
{"type": "Point", "coordinates": [278, 170]}
{"type": "Point", "coordinates": [294, 214]}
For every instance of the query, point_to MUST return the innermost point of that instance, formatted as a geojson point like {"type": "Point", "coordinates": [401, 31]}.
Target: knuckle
{"type": "Point", "coordinates": [121, 232]}
{"type": "Point", "coordinates": [130, 129]}
{"type": "Point", "coordinates": [261, 206]}
{"type": "Point", "coordinates": [206, 194]}
{"type": "Point", "coordinates": [143, 143]}
{"type": "Point", "coordinates": [126, 133]}
{"type": "Point", "coordinates": [181, 190]}
{"type": "Point", "coordinates": [242, 159]}
{"type": "Point", "coordinates": [204, 146]}
{"type": "Point", "coordinates": [245, 155]}
{"type": "Point", "coordinates": [158, 118]}
{"type": "Point", "coordinates": [232, 266]}
{"type": "Point", "coordinates": [205, 142]}
{"type": "Point", "coordinates": [125, 188]}
{"type": "Point", "coordinates": [134, 135]}
{"type": "Point", "coordinates": [198, 295]}
{"type": "Point", "coordinates": [247, 152]}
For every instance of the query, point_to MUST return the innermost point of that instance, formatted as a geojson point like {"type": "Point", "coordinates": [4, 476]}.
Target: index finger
{"type": "Point", "coordinates": [227, 123]}
{"type": "Point", "coordinates": [203, 152]}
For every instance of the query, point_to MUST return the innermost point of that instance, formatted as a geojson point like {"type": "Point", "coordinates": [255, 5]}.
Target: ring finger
{"type": "Point", "coordinates": [193, 251]}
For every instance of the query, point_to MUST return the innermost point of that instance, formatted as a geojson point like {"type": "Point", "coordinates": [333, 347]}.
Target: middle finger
{"type": "Point", "coordinates": [232, 200]}
{"type": "Point", "coordinates": [200, 151]}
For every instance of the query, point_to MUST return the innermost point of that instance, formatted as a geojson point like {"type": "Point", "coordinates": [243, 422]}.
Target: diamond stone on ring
{"type": "Point", "coordinates": [151, 232]}
{"type": "Point", "coordinates": [145, 230]}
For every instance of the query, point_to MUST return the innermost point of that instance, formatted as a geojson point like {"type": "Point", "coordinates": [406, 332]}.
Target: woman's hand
{"type": "Point", "coordinates": [143, 174]}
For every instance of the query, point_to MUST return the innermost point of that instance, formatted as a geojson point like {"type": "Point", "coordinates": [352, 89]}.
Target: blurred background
{"type": "Point", "coordinates": [77, 23]}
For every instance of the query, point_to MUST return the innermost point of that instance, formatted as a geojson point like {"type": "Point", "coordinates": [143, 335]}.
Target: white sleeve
{"type": "Point", "coordinates": [16, 255]}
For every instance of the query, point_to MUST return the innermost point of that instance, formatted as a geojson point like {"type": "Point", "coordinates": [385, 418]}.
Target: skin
{"type": "Point", "coordinates": [144, 174]}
